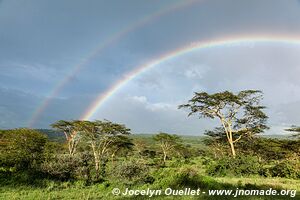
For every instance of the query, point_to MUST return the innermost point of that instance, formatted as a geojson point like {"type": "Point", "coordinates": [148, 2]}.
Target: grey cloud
{"type": "Point", "coordinates": [262, 66]}
{"type": "Point", "coordinates": [52, 37]}
{"type": "Point", "coordinates": [143, 116]}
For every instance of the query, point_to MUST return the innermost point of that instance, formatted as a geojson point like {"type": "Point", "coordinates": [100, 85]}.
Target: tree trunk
{"type": "Point", "coordinates": [97, 161]}
{"type": "Point", "coordinates": [113, 159]}
{"type": "Point", "coordinates": [70, 147]}
{"type": "Point", "coordinates": [228, 131]}
{"type": "Point", "coordinates": [232, 148]}
{"type": "Point", "coordinates": [165, 157]}
{"type": "Point", "coordinates": [97, 166]}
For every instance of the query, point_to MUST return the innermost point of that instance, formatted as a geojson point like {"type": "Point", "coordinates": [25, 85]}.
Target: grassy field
{"type": "Point", "coordinates": [77, 190]}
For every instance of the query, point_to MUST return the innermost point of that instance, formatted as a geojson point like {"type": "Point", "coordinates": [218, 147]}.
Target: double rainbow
{"type": "Point", "coordinates": [102, 46]}
{"type": "Point", "coordinates": [226, 41]}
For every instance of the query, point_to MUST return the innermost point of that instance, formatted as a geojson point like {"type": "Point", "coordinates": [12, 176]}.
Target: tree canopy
{"type": "Point", "coordinates": [240, 114]}
{"type": "Point", "coordinates": [294, 129]}
{"type": "Point", "coordinates": [167, 143]}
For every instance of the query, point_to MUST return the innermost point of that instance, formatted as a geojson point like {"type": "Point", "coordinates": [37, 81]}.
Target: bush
{"type": "Point", "coordinates": [265, 171]}
{"type": "Point", "coordinates": [286, 169]}
{"type": "Point", "coordinates": [21, 149]}
{"type": "Point", "coordinates": [239, 166]}
{"type": "Point", "coordinates": [185, 177]}
{"type": "Point", "coordinates": [132, 172]}
{"type": "Point", "coordinates": [66, 167]}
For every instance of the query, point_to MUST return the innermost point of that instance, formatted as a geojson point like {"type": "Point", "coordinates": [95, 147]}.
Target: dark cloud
{"type": "Point", "coordinates": [16, 107]}
{"type": "Point", "coordinates": [42, 41]}
{"type": "Point", "coordinates": [272, 68]}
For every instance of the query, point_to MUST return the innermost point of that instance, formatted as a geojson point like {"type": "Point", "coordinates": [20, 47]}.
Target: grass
{"type": "Point", "coordinates": [280, 183]}
{"type": "Point", "coordinates": [77, 190]}
{"type": "Point", "coordinates": [28, 193]}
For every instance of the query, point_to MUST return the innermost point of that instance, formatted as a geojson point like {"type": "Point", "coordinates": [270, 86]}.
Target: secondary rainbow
{"type": "Point", "coordinates": [225, 41]}
{"type": "Point", "coordinates": [108, 42]}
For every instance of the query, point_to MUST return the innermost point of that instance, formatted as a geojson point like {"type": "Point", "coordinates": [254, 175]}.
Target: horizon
{"type": "Point", "coordinates": [287, 134]}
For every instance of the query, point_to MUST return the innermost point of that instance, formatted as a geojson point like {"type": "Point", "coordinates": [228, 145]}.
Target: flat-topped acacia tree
{"type": "Point", "coordinates": [240, 114]}
{"type": "Point", "coordinates": [167, 143]}
{"type": "Point", "coordinates": [71, 133]}
{"type": "Point", "coordinates": [105, 138]}
{"type": "Point", "coordinates": [294, 129]}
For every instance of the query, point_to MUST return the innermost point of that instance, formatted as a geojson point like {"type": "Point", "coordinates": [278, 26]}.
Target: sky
{"type": "Point", "coordinates": [58, 56]}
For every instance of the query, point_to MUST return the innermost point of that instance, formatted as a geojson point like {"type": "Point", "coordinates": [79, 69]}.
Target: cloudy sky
{"type": "Point", "coordinates": [57, 56]}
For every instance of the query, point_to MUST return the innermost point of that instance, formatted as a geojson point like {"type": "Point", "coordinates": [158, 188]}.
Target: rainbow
{"type": "Point", "coordinates": [108, 42]}
{"type": "Point", "coordinates": [225, 41]}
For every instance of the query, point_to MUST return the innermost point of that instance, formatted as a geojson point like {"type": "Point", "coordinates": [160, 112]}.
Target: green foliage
{"type": "Point", "coordinates": [227, 105]}
{"type": "Point", "coordinates": [168, 144]}
{"type": "Point", "coordinates": [52, 149]}
{"type": "Point", "coordinates": [53, 135]}
{"type": "Point", "coordinates": [286, 169]}
{"type": "Point", "coordinates": [188, 177]}
{"type": "Point", "coordinates": [132, 171]}
{"type": "Point", "coordinates": [269, 148]}
{"type": "Point", "coordinates": [71, 132]}
{"type": "Point", "coordinates": [184, 177]}
{"type": "Point", "coordinates": [105, 139]}
{"type": "Point", "coordinates": [53, 174]}
{"type": "Point", "coordinates": [67, 167]}
{"type": "Point", "coordinates": [240, 115]}
{"type": "Point", "coordinates": [294, 129]}
{"type": "Point", "coordinates": [148, 153]}
{"type": "Point", "coordinates": [21, 149]}
{"type": "Point", "coordinates": [240, 166]}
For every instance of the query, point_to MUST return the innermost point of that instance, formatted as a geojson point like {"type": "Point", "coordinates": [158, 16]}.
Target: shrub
{"type": "Point", "coordinates": [286, 169]}
{"type": "Point", "coordinates": [185, 177]}
{"type": "Point", "coordinates": [239, 166]}
{"type": "Point", "coordinates": [265, 171]}
{"type": "Point", "coordinates": [21, 149]}
{"type": "Point", "coordinates": [66, 167]}
{"type": "Point", "coordinates": [132, 172]}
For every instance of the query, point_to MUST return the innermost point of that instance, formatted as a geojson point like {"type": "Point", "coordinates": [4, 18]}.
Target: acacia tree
{"type": "Point", "coordinates": [217, 141]}
{"type": "Point", "coordinates": [71, 132]}
{"type": "Point", "coordinates": [294, 129]}
{"type": "Point", "coordinates": [167, 143]}
{"type": "Point", "coordinates": [121, 143]}
{"type": "Point", "coordinates": [139, 146]}
{"type": "Point", "coordinates": [103, 136]}
{"type": "Point", "coordinates": [240, 114]}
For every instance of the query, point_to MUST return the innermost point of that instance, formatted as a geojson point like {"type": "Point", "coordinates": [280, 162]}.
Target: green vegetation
{"type": "Point", "coordinates": [88, 159]}
{"type": "Point", "coordinates": [295, 130]}
{"type": "Point", "coordinates": [241, 115]}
